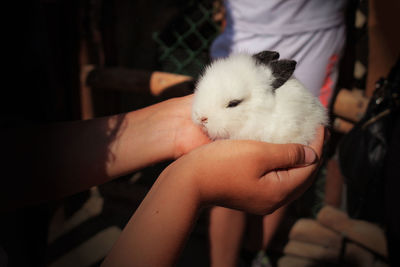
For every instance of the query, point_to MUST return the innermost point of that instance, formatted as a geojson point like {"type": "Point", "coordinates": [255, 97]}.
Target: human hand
{"type": "Point", "coordinates": [256, 177]}
{"type": "Point", "coordinates": [185, 134]}
{"type": "Point", "coordinates": [252, 176]}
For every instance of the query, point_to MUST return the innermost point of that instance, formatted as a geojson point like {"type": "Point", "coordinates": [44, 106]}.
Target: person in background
{"type": "Point", "coordinates": [311, 32]}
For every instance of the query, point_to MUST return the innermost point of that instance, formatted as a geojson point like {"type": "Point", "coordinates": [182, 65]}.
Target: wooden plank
{"type": "Point", "coordinates": [160, 81]}
{"type": "Point", "coordinates": [311, 251]}
{"type": "Point", "coordinates": [310, 231]}
{"type": "Point", "coordinates": [364, 233]}
{"type": "Point", "coordinates": [139, 81]}
{"type": "Point", "coordinates": [294, 261]}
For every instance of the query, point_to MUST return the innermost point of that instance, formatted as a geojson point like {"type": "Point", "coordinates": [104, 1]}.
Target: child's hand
{"type": "Point", "coordinates": [256, 177]}
{"type": "Point", "coordinates": [174, 118]}
{"type": "Point", "coordinates": [236, 174]}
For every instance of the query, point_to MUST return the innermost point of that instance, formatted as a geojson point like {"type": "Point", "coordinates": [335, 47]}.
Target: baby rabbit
{"type": "Point", "coordinates": [255, 97]}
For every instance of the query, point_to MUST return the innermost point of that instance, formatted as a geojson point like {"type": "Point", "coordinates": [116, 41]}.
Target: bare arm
{"type": "Point", "coordinates": [47, 162]}
{"type": "Point", "coordinates": [234, 174]}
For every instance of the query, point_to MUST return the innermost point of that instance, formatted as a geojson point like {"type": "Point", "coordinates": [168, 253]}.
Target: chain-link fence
{"type": "Point", "coordinates": [183, 45]}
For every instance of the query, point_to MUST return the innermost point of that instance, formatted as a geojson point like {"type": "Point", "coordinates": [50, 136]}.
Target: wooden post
{"type": "Point", "coordinates": [364, 233]}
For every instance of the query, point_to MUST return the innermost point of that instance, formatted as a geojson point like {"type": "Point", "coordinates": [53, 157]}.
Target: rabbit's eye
{"type": "Point", "coordinates": [234, 103]}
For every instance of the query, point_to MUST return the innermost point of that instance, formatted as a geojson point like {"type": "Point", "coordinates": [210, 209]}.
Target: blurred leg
{"type": "Point", "coordinates": [271, 224]}
{"type": "Point", "coordinates": [226, 232]}
{"type": "Point", "coordinates": [334, 184]}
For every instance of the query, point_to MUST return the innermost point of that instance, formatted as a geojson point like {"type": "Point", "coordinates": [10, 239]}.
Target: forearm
{"type": "Point", "coordinates": [231, 173]}
{"type": "Point", "coordinates": [271, 224]}
{"type": "Point", "coordinates": [144, 137]}
{"type": "Point", "coordinates": [157, 232]}
{"type": "Point", "coordinates": [52, 161]}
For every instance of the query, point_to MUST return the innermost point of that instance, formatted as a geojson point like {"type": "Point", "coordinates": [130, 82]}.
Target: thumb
{"type": "Point", "coordinates": [285, 156]}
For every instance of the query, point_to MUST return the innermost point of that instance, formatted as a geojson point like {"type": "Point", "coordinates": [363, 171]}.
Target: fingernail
{"type": "Point", "coordinates": [309, 155]}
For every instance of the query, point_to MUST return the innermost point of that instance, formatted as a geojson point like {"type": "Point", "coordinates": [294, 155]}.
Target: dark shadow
{"type": "Point", "coordinates": [43, 97]}
{"type": "Point", "coordinates": [39, 105]}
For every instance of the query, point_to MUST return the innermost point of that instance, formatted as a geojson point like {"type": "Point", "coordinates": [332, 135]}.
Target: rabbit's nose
{"type": "Point", "coordinates": [203, 120]}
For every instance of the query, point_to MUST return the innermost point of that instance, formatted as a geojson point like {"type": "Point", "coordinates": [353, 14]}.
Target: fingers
{"type": "Point", "coordinates": [296, 180]}
{"type": "Point", "coordinates": [282, 156]}
{"type": "Point", "coordinates": [318, 141]}
{"type": "Point", "coordinates": [296, 155]}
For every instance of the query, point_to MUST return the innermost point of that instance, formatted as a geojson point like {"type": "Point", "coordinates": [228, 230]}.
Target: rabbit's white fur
{"type": "Point", "coordinates": [290, 114]}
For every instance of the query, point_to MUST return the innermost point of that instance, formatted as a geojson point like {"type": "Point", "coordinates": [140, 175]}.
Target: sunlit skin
{"type": "Point", "coordinates": [52, 161]}
{"type": "Point", "coordinates": [49, 162]}
{"type": "Point", "coordinates": [237, 174]}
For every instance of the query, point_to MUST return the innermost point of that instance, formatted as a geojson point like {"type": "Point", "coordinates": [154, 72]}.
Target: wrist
{"type": "Point", "coordinates": [182, 179]}
{"type": "Point", "coordinates": [144, 138]}
{"type": "Point", "coordinates": [170, 210]}
{"type": "Point", "coordinates": [173, 128]}
{"type": "Point", "coordinates": [156, 133]}
{"type": "Point", "coordinates": [186, 134]}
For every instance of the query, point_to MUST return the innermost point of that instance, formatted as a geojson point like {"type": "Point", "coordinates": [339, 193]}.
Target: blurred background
{"type": "Point", "coordinates": [73, 60]}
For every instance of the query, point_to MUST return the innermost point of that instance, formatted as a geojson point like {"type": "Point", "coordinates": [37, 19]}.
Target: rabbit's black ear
{"type": "Point", "coordinates": [265, 57]}
{"type": "Point", "coordinates": [282, 70]}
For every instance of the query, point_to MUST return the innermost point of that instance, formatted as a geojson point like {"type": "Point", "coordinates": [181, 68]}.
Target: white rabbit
{"type": "Point", "coordinates": [255, 97]}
